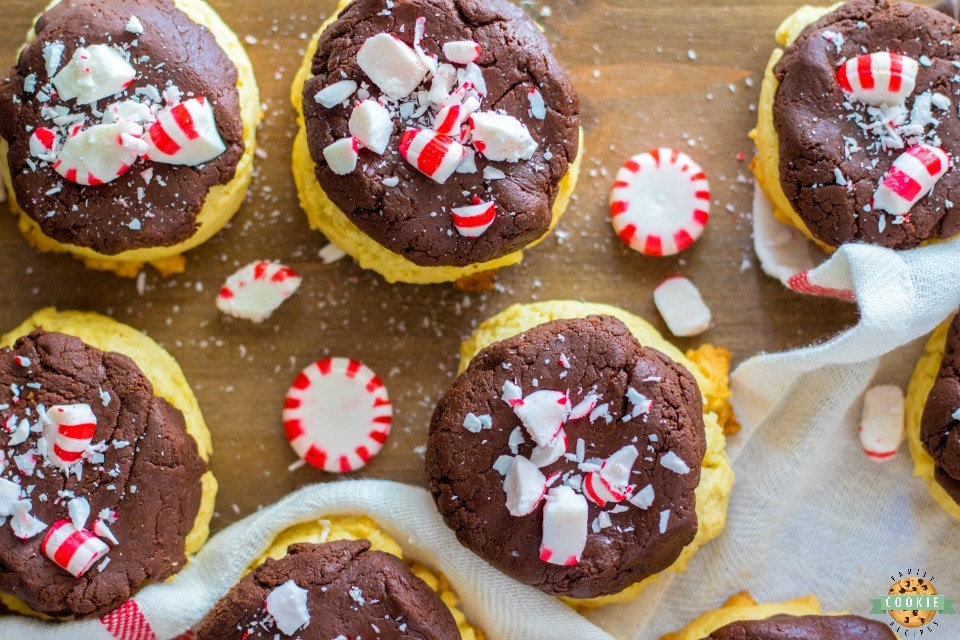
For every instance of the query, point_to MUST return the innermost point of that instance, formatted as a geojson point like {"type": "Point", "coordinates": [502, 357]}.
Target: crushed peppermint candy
{"type": "Point", "coordinates": [288, 606]}
{"type": "Point", "coordinates": [474, 423]}
{"type": "Point", "coordinates": [672, 461]}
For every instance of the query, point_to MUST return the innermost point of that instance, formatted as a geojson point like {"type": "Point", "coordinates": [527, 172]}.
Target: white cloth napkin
{"type": "Point", "coordinates": [500, 606]}
{"type": "Point", "coordinates": [810, 513]}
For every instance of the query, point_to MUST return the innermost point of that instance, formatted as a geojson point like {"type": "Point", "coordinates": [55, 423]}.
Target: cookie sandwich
{"type": "Point", "coordinates": [338, 577]}
{"type": "Point", "coordinates": [580, 452]}
{"type": "Point", "coordinates": [128, 131]}
{"type": "Point", "coordinates": [857, 125]}
{"type": "Point", "coordinates": [104, 484]}
{"type": "Point", "coordinates": [932, 413]}
{"type": "Point", "coordinates": [799, 619]}
{"type": "Point", "coordinates": [438, 138]}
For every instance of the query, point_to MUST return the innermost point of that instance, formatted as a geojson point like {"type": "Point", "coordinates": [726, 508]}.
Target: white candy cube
{"type": "Point", "coordinates": [501, 137]}
{"type": "Point", "coordinates": [391, 65]}
{"type": "Point", "coordinates": [371, 124]}
{"type": "Point", "coordinates": [94, 72]}
{"type": "Point", "coordinates": [679, 302]}
{"type": "Point", "coordinates": [564, 526]}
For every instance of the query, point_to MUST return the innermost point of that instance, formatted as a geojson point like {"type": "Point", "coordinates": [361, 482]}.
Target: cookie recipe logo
{"type": "Point", "coordinates": [913, 603]}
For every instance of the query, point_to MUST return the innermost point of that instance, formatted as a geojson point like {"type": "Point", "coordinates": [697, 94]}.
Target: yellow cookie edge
{"type": "Point", "coordinates": [921, 383]}
{"type": "Point", "coordinates": [363, 528]}
{"type": "Point", "coordinates": [766, 164]}
{"type": "Point", "coordinates": [222, 201]}
{"type": "Point", "coordinates": [168, 382]}
{"type": "Point", "coordinates": [327, 218]}
{"type": "Point", "coordinates": [716, 476]}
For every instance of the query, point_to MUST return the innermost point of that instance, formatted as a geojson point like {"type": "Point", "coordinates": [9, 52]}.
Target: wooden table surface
{"type": "Point", "coordinates": [681, 74]}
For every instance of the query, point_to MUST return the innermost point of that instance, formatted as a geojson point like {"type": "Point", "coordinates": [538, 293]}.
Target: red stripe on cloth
{"type": "Point", "coordinates": [128, 623]}
{"type": "Point", "coordinates": [800, 282]}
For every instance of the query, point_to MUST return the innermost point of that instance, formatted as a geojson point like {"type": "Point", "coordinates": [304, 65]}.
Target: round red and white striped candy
{"type": "Point", "coordinates": [73, 550]}
{"type": "Point", "coordinates": [880, 78]}
{"type": "Point", "coordinates": [660, 202]}
{"type": "Point", "coordinates": [74, 426]}
{"type": "Point", "coordinates": [337, 414]}
{"type": "Point", "coordinates": [257, 290]}
{"type": "Point", "coordinates": [473, 219]}
{"type": "Point", "coordinates": [913, 175]}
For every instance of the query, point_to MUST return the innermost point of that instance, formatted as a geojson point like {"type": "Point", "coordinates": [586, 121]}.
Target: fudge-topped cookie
{"type": "Point", "coordinates": [438, 137]}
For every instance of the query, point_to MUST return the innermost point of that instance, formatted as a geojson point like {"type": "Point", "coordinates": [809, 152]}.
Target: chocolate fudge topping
{"type": "Point", "coordinates": [642, 398]}
{"type": "Point", "coordinates": [351, 592]}
{"type": "Point", "coordinates": [143, 468]}
{"type": "Point", "coordinates": [805, 628]}
{"type": "Point", "coordinates": [835, 150]}
{"type": "Point", "coordinates": [137, 210]}
{"type": "Point", "coordinates": [413, 218]}
{"type": "Point", "coordinates": [939, 430]}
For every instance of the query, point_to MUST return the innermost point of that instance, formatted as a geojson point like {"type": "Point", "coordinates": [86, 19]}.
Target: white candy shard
{"type": "Point", "coordinates": [877, 79]}
{"type": "Point", "coordinates": [336, 93]}
{"type": "Point", "coordinates": [674, 463]}
{"type": "Point", "coordinates": [679, 302]}
{"type": "Point", "coordinates": [538, 109]}
{"type": "Point", "coordinates": [524, 485]}
{"type": "Point", "coordinates": [472, 220]}
{"type": "Point", "coordinates": [643, 499]}
{"type": "Point", "coordinates": [97, 155]}
{"type": "Point", "coordinates": [542, 414]}
{"type": "Point", "coordinates": [94, 72]}
{"type": "Point", "coordinates": [551, 452]}
{"type": "Point", "coordinates": [134, 25]}
{"type": "Point", "coordinates": [564, 526]}
{"type": "Point", "coordinates": [256, 290]}
{"type": "Point", "coordinates": [912, 176]}
{"type": "Point", "coordinates": [611, 483]}
{"type": "Point", "coordinates": [128, 111]}
{"type": "Point", "coordinates": [432, 154]}
{"type": "Point", "coordinates": [342, 155]}
{"type": "Point", "coordinates": [9, 496]}
{"type": "Point", "coordinates": [584, 407]}
{"type": "Point", "coordinates": [461, 51]}
{"type": "Point", "coordinates": [185, 134]}
{"type": "Point", "coordinates": [79, 510]}
{"type": "Point", "coordinates": [511, 393]}
{"type": "Point", "coordinates": [474, 423]}
{"type": "Point", "coordinates": [288, 606]}
{"type": "Point", "coordinates": [501, 137]}
{"type": "Point", "coordinates": [103, 531]}
{"type": "Point", "coordinates": [24, 525]}
{"type": "Point", "coordinates": [882, 423]}
{"type": "Point", "coordinates": [391, 65]}
{"type": "Point", "coordinates": [371, 124]}
{"type": "Point", "coordinates": [441, 85]}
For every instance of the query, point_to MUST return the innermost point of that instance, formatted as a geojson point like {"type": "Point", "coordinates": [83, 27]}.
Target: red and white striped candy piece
{"type": "Point", "coordinates": [611, 483]}
{"type": "Point", "coordinates": [525, 487]}
{"type": "Point", "coordinates": [185, 134]}
{"type": "Point", "coordinates": [912, 176]}
{"type": "Point", "coordinates": [880, 78]}
{"type": "Point", "coordinates": [73, 550]}
{"type": "Point", "coordinates": [337, 414]}
{"type": "Point", "coordinates": [660, 202]}
{"type": "Point", "coordinates": [475, 218]}
{"type": "Point", "coordinates": [391, 65]}
{"type": "Point", "coordinates": [44, 144]}
{"type": "Point", "coordinates": [94, 72]}
{"type": "Point", "coordinates": [452, 116]}
{"type": "Point", "coordinates": [432, 154]}
{"type": "Point", "coordinates": [564, 526]}
{"type": "Point", "coordinates": [342, 155]}
{"type": "Point", "coordinates": [371, 124]}
{"type": "Point", "coordinates": [71, 431]}
{"type": "Point", "coordinates": [257, 290]}
{"type": "Point", "coordinates": [682, 307]}
{"type": "Point", "coordinates": [882, 424]}
{"type": "Point", "coordinates": [98, 155]}
{"type": "Point", "coordinates": [461, 51]}
{"type": "Point", "coordinates": [501, 137]}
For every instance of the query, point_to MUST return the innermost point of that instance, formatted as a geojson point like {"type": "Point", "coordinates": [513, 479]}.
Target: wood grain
{"type": "Point", "coordinates": [682, 74]}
